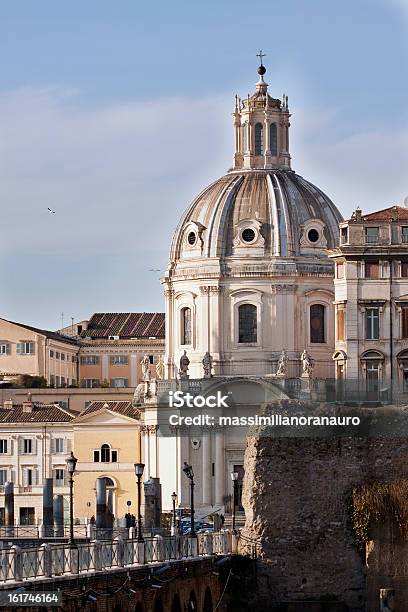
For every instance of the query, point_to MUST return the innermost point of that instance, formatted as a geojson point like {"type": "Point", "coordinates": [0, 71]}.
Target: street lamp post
{"type": "Point", "coordinates": [188, 470]}
{"type": "Point", "coordinates": [174, 523]}
{"type": "Point", "coordinates": [139, 468]}
{"type": "Point", "coordinates": [234, 478]}
{"type": "Point", "coordinates": [71, 465]}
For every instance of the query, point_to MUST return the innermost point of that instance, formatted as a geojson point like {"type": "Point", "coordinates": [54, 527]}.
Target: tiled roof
{"type": "Point", "coordinates": [399, 213]}
{"type": "Point", "coordinates": [125, 325]}
{"type": "Point", "coordinates": [123, 407]}
{"type": "Point", "coordinates": [45, 332]}
{"type": "Point", "coordinates": [41, 413]}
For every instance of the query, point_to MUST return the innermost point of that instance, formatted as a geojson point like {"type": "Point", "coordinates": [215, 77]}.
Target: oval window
{"type": "Point", "coordinates": [248, 235]}
{"type": "Point", "coordinates": [313, 235]}
{"type": "Point", "coordinates": [191, 238]}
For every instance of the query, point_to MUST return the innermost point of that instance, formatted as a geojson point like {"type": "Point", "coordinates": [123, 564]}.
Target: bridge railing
{"type": "Point", "coordinates": [49, 560]}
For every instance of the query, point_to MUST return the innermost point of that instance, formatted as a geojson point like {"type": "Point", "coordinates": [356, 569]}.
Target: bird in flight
{"type": "Point", "coordinates": [154, 270]}
{"type": "Point", "coordinates": [51, 211]}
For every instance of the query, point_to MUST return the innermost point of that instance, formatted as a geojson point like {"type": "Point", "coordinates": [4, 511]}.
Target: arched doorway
{"type": "Point", "coordinates": [208, 602]}
{"type": "Point", "coordinates": [192, 602]}
{"type": "Point", "coordinates": [176, 605]}
{"type": "Point", "coordinates": [110, 495]}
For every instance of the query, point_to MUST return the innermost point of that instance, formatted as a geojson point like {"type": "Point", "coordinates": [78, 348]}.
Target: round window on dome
{"type": "Point", "coordinates": [192, 238]}
{"type": "Point", "coordinates": [313, 235]}
{"type": "Point", "coordinates": [248, 235]}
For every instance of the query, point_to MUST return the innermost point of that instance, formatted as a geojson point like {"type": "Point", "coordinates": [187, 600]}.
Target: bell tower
{"type": "Point", "coordinates": [261, 128]}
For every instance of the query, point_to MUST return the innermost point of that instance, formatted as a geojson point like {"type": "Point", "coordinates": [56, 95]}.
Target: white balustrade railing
{"type": "Point", "coordinates": [48, 560]}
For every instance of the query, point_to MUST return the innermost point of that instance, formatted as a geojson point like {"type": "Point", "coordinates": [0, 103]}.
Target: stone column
{"type": "Point", "coordinates": [58, 515]}
{"type": "Point", "coordinates": [101, 503]}
{"type": "Point", "coordinates": [9, 505]}
{"type": "Point", "coordinates": [219, 469]}
{"type": "Point", "coordinates": [206, 478]}
{"type": "Point", "coordinates": [48, 511]}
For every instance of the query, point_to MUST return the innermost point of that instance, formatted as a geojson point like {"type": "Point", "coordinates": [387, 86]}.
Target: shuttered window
{"type": "Point", "coordinates": [372, 269]}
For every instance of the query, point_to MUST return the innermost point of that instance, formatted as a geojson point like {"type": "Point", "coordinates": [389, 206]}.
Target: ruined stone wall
{"type": "Point", "coordinates": [296, 498]}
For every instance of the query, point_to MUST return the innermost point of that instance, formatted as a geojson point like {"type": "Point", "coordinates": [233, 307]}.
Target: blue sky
{"type": "Point", "coordinates": [116, 114]}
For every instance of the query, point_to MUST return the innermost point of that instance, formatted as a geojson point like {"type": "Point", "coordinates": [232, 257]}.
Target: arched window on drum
{"type": "Point", "coordinates": [186, 326]}
{"type": "Point", "coordinates": [247, 324]}
{"type": "Point", "coordinates": [317, 324]}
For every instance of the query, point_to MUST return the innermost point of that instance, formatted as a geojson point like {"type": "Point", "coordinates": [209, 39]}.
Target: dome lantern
{"type": "Point", "coordinates": [261, 128]}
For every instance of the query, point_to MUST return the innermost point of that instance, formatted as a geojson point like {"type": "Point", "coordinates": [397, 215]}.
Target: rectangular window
{"type": "Point", "coordinates": [27, 446]}
{"type": "Point", "coordinates": [89, 360]}
{"type": "Point", "coordinates": [73, 359]}
{"type": "Point", "coordinates": [119, 382]}
{"type": "Point", "coordinates": [62, 356]}
{"type": "Point", "coordinates": [151, 359]}
{"type": "Point", "coordinates": [4, 348]}
{"type": "Point", "coordinates": [3, 477]}
{"type": "Point", "coordinates": [372, 269]}
{"type": "Point", "coordinates": [404, 317]}
{"type": "Point", "coordinates": [59, 444]}
{"type": "Point", "coordinates": [3, 447]}
{"type": "Point", "coordinates": [404, 269]}
{"type": "Point", "coordinates": [90, 383]}
{"type": "Point", "coordinates": [372, 324]}
{"type": "Point", "coordinates": [340, 270]}
{"type": "Point", "coordinates": [340, 324]}
{"type": "Point", "coordinates": [114, 456]}
{"type": "Point", "coordinates": [25, 348]}
{"type": "Point", "coordinates": [344, 235]}
{"type": "Point", "coordinates": [59, 477]}
{"type": "Point", "coordinates": [404, 233]}
{"type": "Point", "coordinates": [96, 456]}
{"type": "Point", "coordinates": [51, 353]}
{"type": "Point", "coordinates": [372, 235]}
{"type": "Point", "coordinates": [119, 360]}
{"type": "Point", "coordinates": [27, 516]}
{"type": "Point", "coordinates": [57, 355]}
{"type": "Point", "coordinates": [62, 381]}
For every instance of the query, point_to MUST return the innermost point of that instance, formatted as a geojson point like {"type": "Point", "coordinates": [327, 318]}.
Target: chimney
{"type": "Point", "coordinates": [8, 404]}
{"type": "Point", "coordinates": [28, 406]}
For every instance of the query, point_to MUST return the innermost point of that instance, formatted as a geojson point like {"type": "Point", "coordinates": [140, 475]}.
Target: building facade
{"type": "Point", "coordinates": [105, 351]}
{"type": "Point", "coordinates": [37, 352]}
{"type": "Point", "coordinates": [371, 302]}
{"type": "Point", "coordinates": [35, 441]}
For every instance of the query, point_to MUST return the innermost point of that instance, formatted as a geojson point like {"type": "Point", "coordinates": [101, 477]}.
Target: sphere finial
{"type": "Point", "coordinates": [261, 69]}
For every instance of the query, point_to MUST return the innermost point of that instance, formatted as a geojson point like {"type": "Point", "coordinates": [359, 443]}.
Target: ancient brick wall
{"type": "Point", "coordinates": [296, 496]}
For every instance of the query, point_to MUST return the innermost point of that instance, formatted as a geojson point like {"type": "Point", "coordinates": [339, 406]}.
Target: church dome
{"type": "Point", "coordinates": [270, 212]}
{"type": "Point", "coordinates": [261, 208]}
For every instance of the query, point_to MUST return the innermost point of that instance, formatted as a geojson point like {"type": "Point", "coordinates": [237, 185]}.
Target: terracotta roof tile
{"type": "Point", "coordinates": [388, 214]}
{"type": "Point", "coordinates": [125, 325]}
{"type": "Point", "coordinates": [45, 332]}
{"type": "Point", "coordinates": [123, 407]}
{"type": "Point", "coordinates": [41, 413]}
